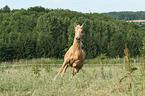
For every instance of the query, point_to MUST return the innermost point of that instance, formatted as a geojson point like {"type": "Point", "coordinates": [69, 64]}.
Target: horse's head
{"type": "Point", "coordinates": [78, 32]}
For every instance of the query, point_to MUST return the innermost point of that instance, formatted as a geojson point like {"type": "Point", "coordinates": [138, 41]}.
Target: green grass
{"type": "Point", "coordinates": [90, 81]}
{"type": "Point", "coordinates": [60, 61]}
{"type": "Point", "coordinates": [112, 61]}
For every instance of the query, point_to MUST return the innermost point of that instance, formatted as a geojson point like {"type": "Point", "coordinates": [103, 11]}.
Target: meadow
{"type": "Point", "coordinates": [92, 80]}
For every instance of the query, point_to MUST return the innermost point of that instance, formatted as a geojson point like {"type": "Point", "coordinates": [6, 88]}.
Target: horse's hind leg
{"type": "Point", "coordinates": [60, 70]}
{"type": "Point", "coordinates": [77, 70]}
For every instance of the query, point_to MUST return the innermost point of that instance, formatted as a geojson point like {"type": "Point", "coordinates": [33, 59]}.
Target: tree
{"type": "Point", "coordinates": [38, 32]}
{"type": "Point", "coordinates": [54, 27]}
{"type": "Point", "coordinates": [134, 42]}
{"type": "Point", "coordinates": [6, 9]}
{"type": "Point", "coordinates": [37, 9]}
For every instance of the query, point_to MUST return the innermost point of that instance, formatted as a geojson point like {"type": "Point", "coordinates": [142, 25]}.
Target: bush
{"type": "Point", "coordinates": [102, 56]}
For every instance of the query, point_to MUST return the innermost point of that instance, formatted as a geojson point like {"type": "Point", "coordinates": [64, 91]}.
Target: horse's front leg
{"type": "Point", "coordinates": [60, 70]}
{"type": "Point", "coordinates": [74, 65]}
{"type": "Point", "coordinates": [66, 66]}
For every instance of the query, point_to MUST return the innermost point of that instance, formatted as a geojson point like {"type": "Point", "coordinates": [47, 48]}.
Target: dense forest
{"type": "Point", "coordinates": [127, 15]}
{"type": "Point", "coordinates": [38, 32]}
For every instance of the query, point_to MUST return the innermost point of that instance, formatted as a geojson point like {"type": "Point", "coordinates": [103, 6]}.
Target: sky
{"type": "Point", "coordinates": [85, 6]}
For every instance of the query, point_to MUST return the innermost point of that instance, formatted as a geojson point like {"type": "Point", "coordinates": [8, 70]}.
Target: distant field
{"type": "Point", "coordinates": [137, 21]}
{"type": "Point", "coordinates": [92, 80]}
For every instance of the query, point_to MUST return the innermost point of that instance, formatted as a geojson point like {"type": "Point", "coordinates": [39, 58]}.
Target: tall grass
{"type": "Point", "coordinates": [21, 81]}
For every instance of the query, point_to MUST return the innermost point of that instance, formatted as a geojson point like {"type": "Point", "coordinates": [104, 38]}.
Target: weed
{"type": "Point", "coordinates": [2, 69]}
{"type": "Point", "coordinates": [142, 71]}
{"type": "Point", "coordinates": [48, 68]}
{"type": "Point", "coordinates": [102, 56]}
{"type": "Point", "coordinates": [130, 69]}
{"type": "Point", "coordinates": [35, 69]}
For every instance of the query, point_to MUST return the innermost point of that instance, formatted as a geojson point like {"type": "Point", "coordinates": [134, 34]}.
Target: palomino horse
{"type": "Point", "coordinates": [75, 56]}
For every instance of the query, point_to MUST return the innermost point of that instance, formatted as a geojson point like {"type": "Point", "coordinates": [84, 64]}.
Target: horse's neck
{"type": "Point", "coordinates": [76, 45]}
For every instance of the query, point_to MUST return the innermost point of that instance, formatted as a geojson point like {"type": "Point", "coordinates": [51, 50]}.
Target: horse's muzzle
{"type": "Point", "coordinates": [78, 39]}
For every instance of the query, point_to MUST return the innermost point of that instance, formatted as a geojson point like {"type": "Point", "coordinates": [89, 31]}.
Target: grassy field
{"type": "Point", "coordinates": [60, 61]}
{"type": "Point", "coordinates": [92, 80]}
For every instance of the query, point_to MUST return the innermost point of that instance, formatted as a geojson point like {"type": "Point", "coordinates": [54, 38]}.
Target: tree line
{"type": "Point", "coordinates": [127, 15]}
{"type": "Point", "coordinates": [38, 32]}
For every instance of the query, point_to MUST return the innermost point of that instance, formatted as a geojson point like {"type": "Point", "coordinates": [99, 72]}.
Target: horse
{"type": "Point", "coordinates": [75, 56]}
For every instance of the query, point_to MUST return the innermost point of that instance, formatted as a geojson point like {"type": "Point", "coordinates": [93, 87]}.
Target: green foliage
{"type": "Point", "coordinates": [38, 32]}
{"type": "Point", "coordinates": [37, 9]}
{"type": "Point", "coordinates": [143, 49]}
{"type": "Point", "coordinates": [102, 56]}
{"type": "Point", "coordinates": [5, 9]}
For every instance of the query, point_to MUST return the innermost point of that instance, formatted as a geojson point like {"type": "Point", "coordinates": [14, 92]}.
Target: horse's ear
{"type": "Point", "coordinates": [75, 25]}
{"type": "Point", "coordinates": [82, 25]}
